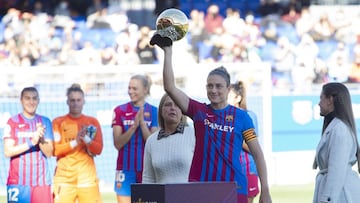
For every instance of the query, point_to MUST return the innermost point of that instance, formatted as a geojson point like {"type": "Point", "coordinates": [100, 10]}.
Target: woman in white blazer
{"type": "Point", "coordinates": [338, 149]}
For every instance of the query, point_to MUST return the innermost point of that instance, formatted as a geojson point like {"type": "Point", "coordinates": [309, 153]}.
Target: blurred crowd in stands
{"type": "Point", "coordinates": [304, 45]}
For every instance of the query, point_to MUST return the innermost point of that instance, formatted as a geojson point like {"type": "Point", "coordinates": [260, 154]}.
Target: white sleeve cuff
{"type": "Point", "coordinates": [87, 139]}
{"type": "Point", "coordinates": [73, 143]}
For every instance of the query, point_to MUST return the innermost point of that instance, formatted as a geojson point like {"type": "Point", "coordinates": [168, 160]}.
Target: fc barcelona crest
{"type": "Point", "coordinates": [229, 118]}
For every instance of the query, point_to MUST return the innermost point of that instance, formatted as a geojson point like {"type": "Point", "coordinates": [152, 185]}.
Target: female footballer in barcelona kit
{"type": "Point", "coordinates": [28, 141]}
{"type": "Point", "coordinates": [132, 124]}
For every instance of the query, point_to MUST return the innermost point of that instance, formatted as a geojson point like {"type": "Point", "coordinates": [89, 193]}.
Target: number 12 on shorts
{"type": "Point", "coordinates": [18, 194]}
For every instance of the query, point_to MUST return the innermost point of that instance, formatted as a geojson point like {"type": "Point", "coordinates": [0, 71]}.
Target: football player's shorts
{"type": "Point", "coordinates": [27, 194]}
{"type": "Point", "coordinates": [253, 185]}
{"type": "Point", "coordinates": [123, 181]}
{"type": "Point", "coordinates": [69, 193]}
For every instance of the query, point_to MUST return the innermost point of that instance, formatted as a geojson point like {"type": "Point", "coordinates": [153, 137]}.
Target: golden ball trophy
{"type": "Point", "coordinates": [171, 25]}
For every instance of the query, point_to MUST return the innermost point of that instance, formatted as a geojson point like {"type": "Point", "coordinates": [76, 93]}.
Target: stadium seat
{"type": "Point", "coordinates": [186, 6]}
{"type": "Point", "coordinates": [288, 31]}
{"type": "Point", "coordinates": [326, 48]}
{"type": "Point", "coordinates": [2, 27]}
{"type": "Point", "coordinates": [253, 5]}
{"type": "Point", "coordinates": [239, 5]}
{"type": "Point", "coordinates": [266, 52]}
{"type": "Point", "coordinates": [100, 38]}
{"type": "Point", "coordinates": [204, 50]}
{"type": "Point", "coordinates": [201, 6]}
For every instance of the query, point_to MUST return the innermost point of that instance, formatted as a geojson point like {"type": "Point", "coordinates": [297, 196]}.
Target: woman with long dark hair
{"type": "Point", "coordinates": [338, 149]}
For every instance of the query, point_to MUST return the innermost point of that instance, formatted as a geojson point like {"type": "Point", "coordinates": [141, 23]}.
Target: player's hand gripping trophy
{"type": "Point", "coordinates": [171, 25]}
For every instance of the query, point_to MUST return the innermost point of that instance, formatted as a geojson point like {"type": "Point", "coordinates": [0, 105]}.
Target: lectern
{"type": "Point", "coordinates": [193, 192]}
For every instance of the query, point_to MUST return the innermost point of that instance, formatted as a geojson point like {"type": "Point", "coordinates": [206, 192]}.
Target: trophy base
{"type": "Point", "coordinates": [160, 41]}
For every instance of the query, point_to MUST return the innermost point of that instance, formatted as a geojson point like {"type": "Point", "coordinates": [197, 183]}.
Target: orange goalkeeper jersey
{"type": "Point", "coordinates": [75, 166]}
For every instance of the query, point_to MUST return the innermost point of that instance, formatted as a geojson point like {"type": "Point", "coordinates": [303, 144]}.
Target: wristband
{"type": "Point", "coordinates": [73, 143]}
{"type": "Point", "coordinates": [87, 139]}
{"type": "Point", "coordinates": [29, 143]}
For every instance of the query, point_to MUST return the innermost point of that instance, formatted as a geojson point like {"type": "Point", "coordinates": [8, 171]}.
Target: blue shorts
{"type": "Point", "coordinates": [27, 194]}
{"type": "Point", "coordinates": [123, 181]}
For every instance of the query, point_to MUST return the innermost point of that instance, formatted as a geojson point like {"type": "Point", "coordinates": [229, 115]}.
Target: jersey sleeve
{"type": "Point", "coordinates": [255, 121]}
{"type": "Point", "coordinates": [193, 107]}
{"type": "Point", "coordinates": [48, 128]}
{"type": "Point", "coordinates": [248, 131]}
{"type": "Point", "coordinates": [154, 119]}
{"type": "Point", "coordinates": [61, 147]}
{"type": "Point", "coordinates": [7, 131]}
{"type": "Point", "coordinates": [116, 117]}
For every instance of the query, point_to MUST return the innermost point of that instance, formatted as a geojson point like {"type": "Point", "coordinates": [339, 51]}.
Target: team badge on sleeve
{"type": "Point", "coordinates": [91, 131]}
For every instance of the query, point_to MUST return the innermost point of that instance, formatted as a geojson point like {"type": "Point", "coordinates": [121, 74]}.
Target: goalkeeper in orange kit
{"type": "Point", "coordinates": [77, 139]}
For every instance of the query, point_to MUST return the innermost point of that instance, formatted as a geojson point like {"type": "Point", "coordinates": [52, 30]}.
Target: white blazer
{"type": "Point", "coordinates": [336, 182]}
